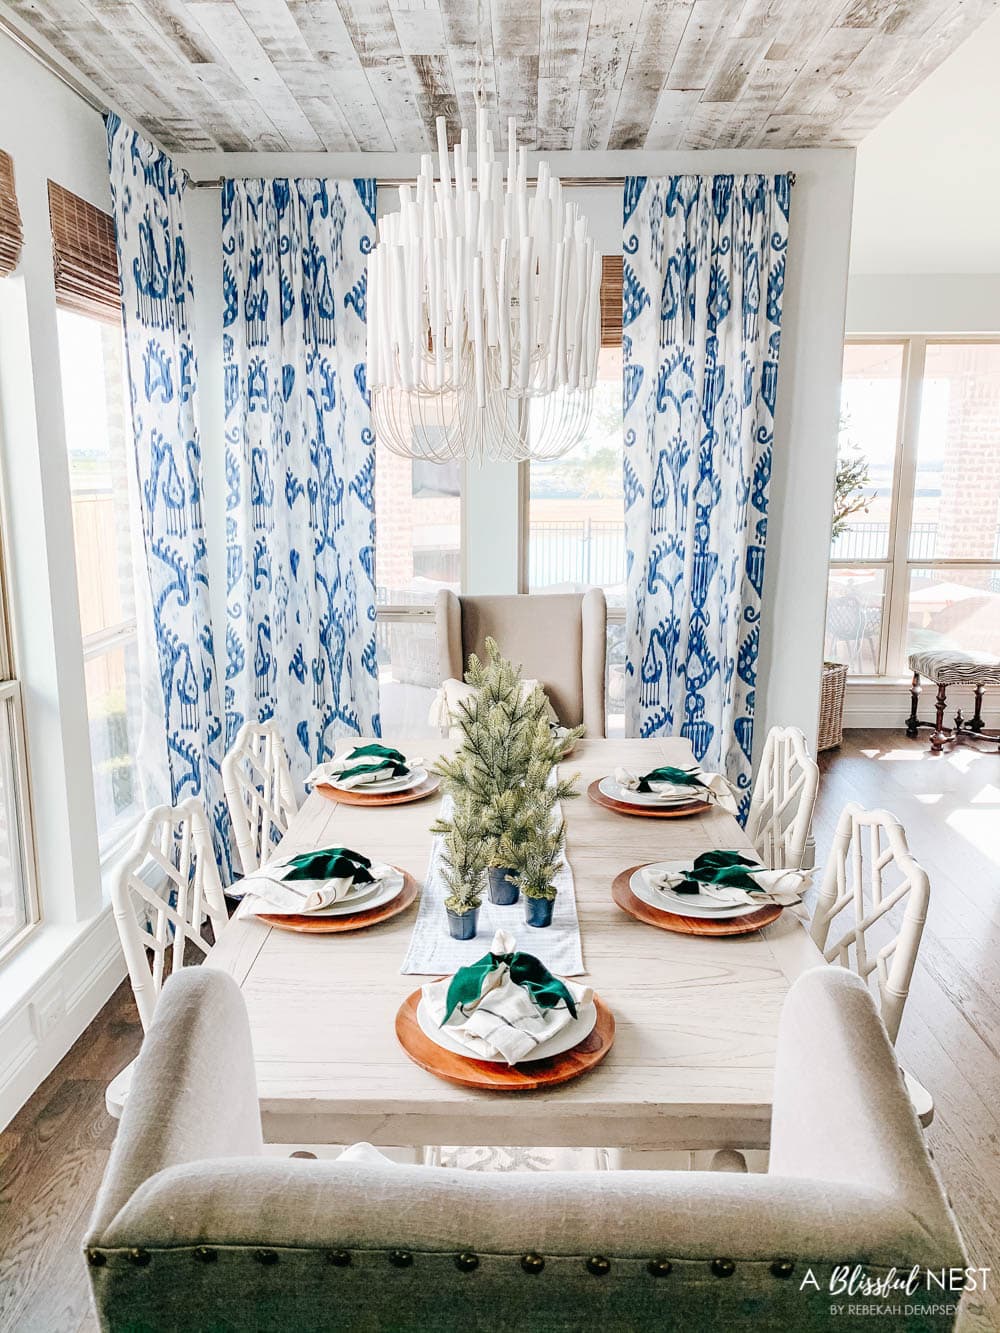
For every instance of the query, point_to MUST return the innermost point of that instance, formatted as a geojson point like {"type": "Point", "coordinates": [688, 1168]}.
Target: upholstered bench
{"type": "Point", "coordinates": [945, 668]}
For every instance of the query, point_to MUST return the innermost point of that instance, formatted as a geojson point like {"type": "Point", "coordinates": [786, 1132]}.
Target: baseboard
{"type": "Point", "coordinates": [37, 1033]}
{"type": "Point", "coordinates": [886, 704]}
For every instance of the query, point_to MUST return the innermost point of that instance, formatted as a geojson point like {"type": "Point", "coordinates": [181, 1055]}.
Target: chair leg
{"type": "Point", "coordinates": [911, 721]}
{"type": "Point", "coordinates": [940, 736]}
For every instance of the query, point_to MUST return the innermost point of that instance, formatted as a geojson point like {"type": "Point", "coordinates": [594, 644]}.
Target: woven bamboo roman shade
{"type": "Point", "coordinates": [83, 251]}
{"type": "Point", "coordinates": [611, 301]}
{"type": "Point", "coordinates": [11, 231]}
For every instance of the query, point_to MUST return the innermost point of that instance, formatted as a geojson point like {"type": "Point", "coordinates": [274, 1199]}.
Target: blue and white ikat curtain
{"type": "Point", "coordinates": [704, 272]}
{"type": "Point", "coordinates": [180, 743]}
{"type": "Point", "coordinates": [300, 462]}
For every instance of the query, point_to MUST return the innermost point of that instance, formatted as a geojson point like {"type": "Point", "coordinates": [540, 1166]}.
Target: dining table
{"type": "Point", "coordinates": [696, 1017]}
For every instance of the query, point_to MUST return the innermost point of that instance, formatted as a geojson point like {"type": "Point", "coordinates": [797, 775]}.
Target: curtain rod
{"type": "Point", "coordinates": [393, 182]}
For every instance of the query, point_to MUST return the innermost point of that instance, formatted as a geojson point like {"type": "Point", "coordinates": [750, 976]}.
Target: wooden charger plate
{"type": "Point", "coordinates": [621, 892]}
{"type": "Point", "coordinates": [429, 785]}
{"type": "Point", "coordinates": [525, 1077]}
{"type": "Point", "coordinates": [645, 811]}
{"type": "Point", "coordinates": [334, 925]}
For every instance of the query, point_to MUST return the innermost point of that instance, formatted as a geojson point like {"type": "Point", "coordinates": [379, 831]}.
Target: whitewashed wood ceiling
{"type": "Point", "coordinates": [342, 75]}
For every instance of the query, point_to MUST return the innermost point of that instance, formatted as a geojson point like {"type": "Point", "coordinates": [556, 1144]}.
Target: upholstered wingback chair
{"type": "Point", "coordinates": [194, 1229]}
{"type": "Point", "coordinates": [559, 638]}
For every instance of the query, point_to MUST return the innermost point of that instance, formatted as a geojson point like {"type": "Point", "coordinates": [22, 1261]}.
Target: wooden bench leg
{"type": "Point", "coordinates": [940, 736]}
{"type": "Point", "coordinates": [911, 721]}
{"type": "Point", "coordinates": [977, 723]}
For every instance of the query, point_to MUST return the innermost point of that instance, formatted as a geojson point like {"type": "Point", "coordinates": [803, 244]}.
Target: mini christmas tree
{"type": "Point", "coordinates": [466, 855]}
{"type": "Point", "coordinates": [501, 774]}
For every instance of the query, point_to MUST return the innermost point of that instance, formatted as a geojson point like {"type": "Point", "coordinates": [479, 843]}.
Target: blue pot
{"type": "Point", "coordinates": [502, 891]}
{"type": "Point", "coordinates": [538, 911]}
{"type": "Point", "coordinates": [462, 925]}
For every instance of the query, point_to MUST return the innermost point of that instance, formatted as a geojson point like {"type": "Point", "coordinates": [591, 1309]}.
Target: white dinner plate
{"type": "Point", "coordinates": [613, 789]}
{"type": "Point", "coordinates": [684, 904]}
{"type": "Point", "coordinates": [361, 899]}
{"type": "Point", "coordinates": [564, 1040]}
{"type": "Point", "coordinates": [404, 783]}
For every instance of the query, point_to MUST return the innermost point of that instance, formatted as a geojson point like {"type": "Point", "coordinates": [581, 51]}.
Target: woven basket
{"type": "Point", "coordinates": [831, 706]}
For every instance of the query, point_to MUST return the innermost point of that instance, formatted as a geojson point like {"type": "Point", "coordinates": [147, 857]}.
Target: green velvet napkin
{"type": "Point", "coordinates": [330, 863]}
{"type": "Point", "coordinates": [375, 751]}
{"type": "Point", "coordinates": [668, 774]}
{"type": "Point", "coordinates": [526, 970]}
{"type": "Point", "coordinates": [725, 868]}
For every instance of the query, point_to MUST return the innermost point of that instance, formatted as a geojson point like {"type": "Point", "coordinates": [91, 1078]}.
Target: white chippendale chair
{"type": "Point", "coordinates": [161, 893]}
{"type": "Point", "coordinates": [870, 874]}
{"type": "Point", "coordinates": [259, 791]}
{"type": "Point", "coordinates": [783, 799]}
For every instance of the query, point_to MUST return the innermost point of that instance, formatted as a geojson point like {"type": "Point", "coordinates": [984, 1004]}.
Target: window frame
{"type": "Point", "coordinates": [898, 564]}
{"type": "Point", "coordinates": [12, 697]}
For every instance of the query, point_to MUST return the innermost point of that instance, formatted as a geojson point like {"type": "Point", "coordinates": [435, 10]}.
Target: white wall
{"type": "Point", "coordinates": [807, 408]}
{"type": "Point", "coordinates": [53, 986]}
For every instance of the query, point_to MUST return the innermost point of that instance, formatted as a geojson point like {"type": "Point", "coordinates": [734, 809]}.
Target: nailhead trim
{"type": "Point", "coordinates": [723, 1267]}
{"type": "Point", "coordinates": [96, 1259]}
{"type": "Point", "coordinates": [205, 1254]}
{"type": "Point", "coordinates": [466, 1262]}
{"type": "Point", "coordinates": [598, 1265]}
{"type": "Point", "coordinates": [339, 1258]}
{"type": "Point", "coordinates": [532, 1263]}
{"type": "Point", "coordinates": [139, 1257]}
{"type": "Point", "coordinates": [783, 1268]}
{"type": "Point", "coordinates": [400, 1258]}
{"type": "Point", "coordinates": [266, 1256]}
{"type": "Point", "coordinates": [659, 1267]}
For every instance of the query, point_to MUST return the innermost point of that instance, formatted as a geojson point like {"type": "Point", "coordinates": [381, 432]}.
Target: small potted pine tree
{"type": "Point", "coordinates": [463, 868]}
{"type": "Point", "coordinates": [532, 840]}
{"type": "Point", "coordinates": [504, 731]}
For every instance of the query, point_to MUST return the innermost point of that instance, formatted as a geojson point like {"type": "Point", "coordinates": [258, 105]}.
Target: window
{"type": "Point", "coordinates": [91, 357]}
{"type": "Point", "coordinates": [919, 566]}
{"type": "Point", "coordinates": [575, 521]}
{"type": "Point", "coordinates": [418, 549]}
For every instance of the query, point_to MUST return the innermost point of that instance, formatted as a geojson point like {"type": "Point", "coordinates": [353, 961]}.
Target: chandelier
{"type": "Point", "coordinates": [484, 310]}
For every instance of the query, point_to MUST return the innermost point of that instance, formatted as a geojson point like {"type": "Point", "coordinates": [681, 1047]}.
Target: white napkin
{"type": "Point", "coordinates": [506, 1022]}
{"type": "Point", "coordinates": [445, 712]}
{"type": "Point", "coordinates": [333, 768]}
{"type": "Point", "coordinates": [783, 888]}
{"type": "Point", "coordinates": [267, 891]}
{"type": "Point", "coordinates": [714, 787]}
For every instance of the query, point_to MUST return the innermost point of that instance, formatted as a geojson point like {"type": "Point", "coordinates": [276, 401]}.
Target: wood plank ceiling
{"type": "Point", "coordinates": [343, 75]}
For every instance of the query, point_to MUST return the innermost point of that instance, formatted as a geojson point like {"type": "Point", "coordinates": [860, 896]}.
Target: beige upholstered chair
{"type": "Point", "coordinates": [559, 638]}
{"type": "Point", "coordinates": [194, 1229]}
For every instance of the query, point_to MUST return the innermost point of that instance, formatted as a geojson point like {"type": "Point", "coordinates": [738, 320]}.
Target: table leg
{"type": "Point", "coordinates": [911, 721]}
{"type": "Point", "coordinates": [941, 736]}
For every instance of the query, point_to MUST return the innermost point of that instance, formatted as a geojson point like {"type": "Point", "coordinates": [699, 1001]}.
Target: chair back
{"type": "Point", "coordinates": [259, 792]}
{"type": "Point", "coordinates": [161, 893]}
{"type": "Point", "coordinates": [195, 1228]}
{"type": "Point", "coordinates": [560, 640]}
{"type": "Point", "coordinates": [873, 886]}
{"type": "Point", "coordinates": [783, 799]}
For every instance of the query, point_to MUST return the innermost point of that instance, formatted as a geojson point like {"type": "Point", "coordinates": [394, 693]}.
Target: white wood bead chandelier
{"type": "Point", "coordinates": [482, 300]}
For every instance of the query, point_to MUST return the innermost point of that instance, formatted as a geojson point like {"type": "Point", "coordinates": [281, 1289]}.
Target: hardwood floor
{"type": "Point", "coordinates": [53, 1153]}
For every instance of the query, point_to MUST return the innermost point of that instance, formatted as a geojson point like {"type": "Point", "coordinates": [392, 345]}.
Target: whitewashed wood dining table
{"type": "Point", "coordinates": [696, 1018]}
